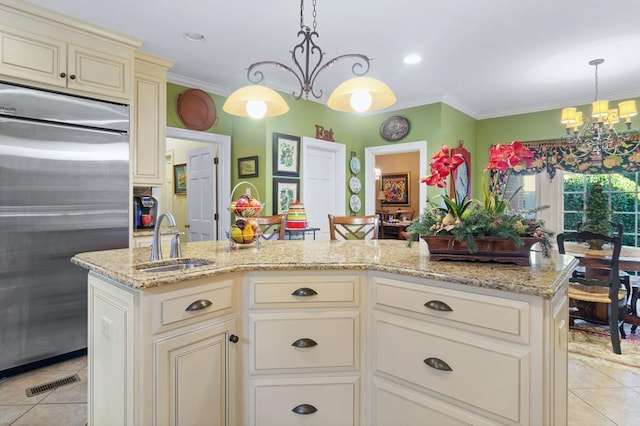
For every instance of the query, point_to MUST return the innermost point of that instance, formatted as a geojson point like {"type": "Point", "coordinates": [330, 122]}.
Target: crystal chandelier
{"type": "Point", "coordinates": [600, 137]}
{"type": "Point", "coordinates": [358, 94]}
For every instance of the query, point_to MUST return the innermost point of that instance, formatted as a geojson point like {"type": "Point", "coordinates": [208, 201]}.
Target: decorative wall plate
{"type": "Point", "coordinates": [354, 203]}
{"type": "Point", "coordinates": [196, 109]}
{"type": "Point", "coordinates": [394, 128]}
{"type": "Point", "coordinates": [354, 165]}
{"type": "Point", "coordinates": [355, 185]}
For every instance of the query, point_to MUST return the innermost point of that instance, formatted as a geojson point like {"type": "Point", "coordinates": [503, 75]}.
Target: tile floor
{"type": "Point", "coordinates": [600, 394]}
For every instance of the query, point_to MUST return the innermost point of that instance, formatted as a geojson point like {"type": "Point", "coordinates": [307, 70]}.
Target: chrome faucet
{"type": "Point", "coordinates": [156, 247]}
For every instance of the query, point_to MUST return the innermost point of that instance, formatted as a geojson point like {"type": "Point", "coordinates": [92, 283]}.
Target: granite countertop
{"type": "Point", "coordinates": [542, 278]}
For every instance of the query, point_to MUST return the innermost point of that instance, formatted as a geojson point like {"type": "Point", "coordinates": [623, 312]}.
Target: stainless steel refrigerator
{"type": "Point", "coordinates": [64, 189]}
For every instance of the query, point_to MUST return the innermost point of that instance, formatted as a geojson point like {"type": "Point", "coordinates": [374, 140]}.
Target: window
{"type": "Point", "coordinates": [525, 198]}
{"type": "Point", "coordinates": [621, 192]}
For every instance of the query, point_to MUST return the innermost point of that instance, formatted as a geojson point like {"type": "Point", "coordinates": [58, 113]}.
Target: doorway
{"type": "Point", "coordinates": [323, 189]}
{"type": "Point", "coordinates": [370, 183]}
{"type": "Point", "coordinates": [221, 197]}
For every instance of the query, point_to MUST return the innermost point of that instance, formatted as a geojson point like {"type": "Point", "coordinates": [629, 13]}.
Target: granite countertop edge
{"type": "Point", "coordinates": [543, 278]}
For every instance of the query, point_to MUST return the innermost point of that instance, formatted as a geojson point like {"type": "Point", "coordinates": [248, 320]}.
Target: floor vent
{"type": "Point", "coordinates": [35, 390]}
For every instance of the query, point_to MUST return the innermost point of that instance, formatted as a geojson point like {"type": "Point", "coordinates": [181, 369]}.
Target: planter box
{"type": "Point", "coordinates": [490, 249]}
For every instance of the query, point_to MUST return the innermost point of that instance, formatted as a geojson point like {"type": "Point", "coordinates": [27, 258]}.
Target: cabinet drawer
{"type": "Point", "coordinates": [335, 401]}
{"type": "Point", "coordinates": [304, 291]}
{"type": "Point", "coordinates": [485, 313]}
{"type": "Point", "coordinates": [390, 399]}
{"type": "Point", "coordinates": [304, 341]}
{"type": "Point", "coordinates": [191, 303]}
{"type": "Point", "coordinates": [483, 376]}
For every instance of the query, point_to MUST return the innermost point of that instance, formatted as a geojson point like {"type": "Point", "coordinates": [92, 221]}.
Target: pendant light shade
{"type": "Point", "coordinates": [256, 102]}
{"type": "Point", "coordinates": [349, 95]}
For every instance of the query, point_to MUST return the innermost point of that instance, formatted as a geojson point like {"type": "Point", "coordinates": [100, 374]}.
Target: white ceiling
{"type": "Point", "coordinates": [487, 58]}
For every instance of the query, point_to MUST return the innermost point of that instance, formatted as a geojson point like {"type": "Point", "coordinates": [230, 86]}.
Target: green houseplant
{"type": "Point", "coordinates": [597, 214]}
{"type": "Point", "coordinates": [470, 222]}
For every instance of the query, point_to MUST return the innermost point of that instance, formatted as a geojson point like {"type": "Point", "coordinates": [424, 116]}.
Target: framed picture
{"type": "Point", "coordinates": [180, 178]}
{"type": "Point", "coordinates": [396, 189]}
{"type": "Point", "coordinates": [285, 191]}
{"type": "Point", "coordinates": [248, 167]}
{"type": "Point", "coordinates": [286, 155]}
{"type": "Point", "coordinates": [461, 175]}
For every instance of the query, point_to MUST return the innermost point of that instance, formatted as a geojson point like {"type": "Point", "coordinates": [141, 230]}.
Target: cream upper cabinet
{"type": "Point", "coordinates": [148, 119]}
{"type": "Point", "coordinates": [46, 49]}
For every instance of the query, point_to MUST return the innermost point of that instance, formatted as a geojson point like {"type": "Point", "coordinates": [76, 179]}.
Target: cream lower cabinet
{"type": "Point", "coordinates": [468, 356]}
{"type": "Point", "coordinates": [304, 349]}
{"type": "Point", "coordinates": [164, 356]}
{"type": "Point", "coordinates": [147, 241]}
{"type": "Point", "coordinates": [37, 46]}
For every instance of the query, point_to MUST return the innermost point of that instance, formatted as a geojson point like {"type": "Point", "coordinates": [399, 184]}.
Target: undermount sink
{"type": "Point", "coordinates": [172, 265]}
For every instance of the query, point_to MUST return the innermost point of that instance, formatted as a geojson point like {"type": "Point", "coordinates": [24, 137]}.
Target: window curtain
{"type": "Point", "coordinates": [550, 155]}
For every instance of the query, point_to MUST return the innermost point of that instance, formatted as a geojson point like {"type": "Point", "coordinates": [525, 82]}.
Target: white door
{"type": "Point", "coordinates": [323, 182]}
{"type": "Point", "coordinates": [201, 194]}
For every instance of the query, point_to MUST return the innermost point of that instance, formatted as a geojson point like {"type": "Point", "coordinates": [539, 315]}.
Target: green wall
{"type": "Point", "coordinates": [436, 123]}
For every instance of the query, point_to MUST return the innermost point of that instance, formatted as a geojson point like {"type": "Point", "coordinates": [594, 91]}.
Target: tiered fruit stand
{"type": "Point", "coordinates": [244, 231]}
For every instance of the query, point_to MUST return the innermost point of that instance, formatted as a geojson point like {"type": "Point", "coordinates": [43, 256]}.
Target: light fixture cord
{"type": "Point", "coordinates": [596, 97]}
{"type": "Point", "coordinates": [315, 15]}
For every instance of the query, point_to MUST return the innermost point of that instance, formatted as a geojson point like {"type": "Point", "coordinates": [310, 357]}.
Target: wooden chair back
{"type": "Point", "coordinates": [272, 227]}
{"type": "Point", "coordinates": [353, 227]}
{"type": "Point", "coordinates": [600, 283]}
{"type": "Point", "coordinates": [403, 214]}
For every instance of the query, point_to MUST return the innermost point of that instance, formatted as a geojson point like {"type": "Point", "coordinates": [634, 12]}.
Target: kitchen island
{"type": "Point", "coordinates": [348, 332]}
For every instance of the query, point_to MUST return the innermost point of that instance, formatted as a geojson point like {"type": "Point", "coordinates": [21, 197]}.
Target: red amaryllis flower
{"type": "Point", "coordinates": [442, 164]}
{"type": "Point", "coordinates": [509, 156]}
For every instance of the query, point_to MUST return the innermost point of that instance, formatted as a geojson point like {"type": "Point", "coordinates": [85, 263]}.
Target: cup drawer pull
{"type": "Point", "coordinates": [437, 305]}
{"type": "Point", "coordinates": [304, 292]}
{"type": "Point", "coordinates": [438, 364]}
{"type": "Point", "coordinates": [199, 304]}
{"type": "Point", "coordinates": [304, 409]}
{"type": "Point", "coordinates": [304, 343]}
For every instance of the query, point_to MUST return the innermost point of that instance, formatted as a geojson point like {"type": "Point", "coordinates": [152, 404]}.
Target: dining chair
{"type": "Point", "coordinates": [600, 284]}
{"type": "Point", "coordinates": [272, 227]}
{"type": "Point", "coordinates": [625, 279]}
{"type": "Point", "coordinates": [353, 227]}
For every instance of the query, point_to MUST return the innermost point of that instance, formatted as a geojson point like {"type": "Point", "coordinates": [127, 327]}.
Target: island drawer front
{"type": "Point", "coordinates": [390, 399]}
{"type": "Point", "coordinates": [493, 314]}
{"type": "Point", "coordinates": [334, 399]}
{"type": "Point", "coordinates": [192, 303]}
{"type": "Point", "coordinates": [304, 342]}
{"type": "Point", "coordinates": [304, 291]}
{"type": "Point", "coordinates": [481, 376]}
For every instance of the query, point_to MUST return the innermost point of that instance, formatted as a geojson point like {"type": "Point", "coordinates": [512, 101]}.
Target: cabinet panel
{"type": "Point", "coordinates": [401, 407]}
{"type": "Point", "coordinates": [304, 291]}
{"type": "Point", "coordinates": [482, 376]}
{"type": "Point", "coordinates": [98, 72]}
{"type": "Point", "coordinates": [507, 317]}
{"type": "Point", "coordinates": [331, 336]}
{"type": "Point", "coordinates": [192, 376]}
{"type": "Point", "coordinates": [148, 119]}
{"type": "Point", "coordinates": [32, 57]}
{"type": "Point", "coordinates": [334, 399]}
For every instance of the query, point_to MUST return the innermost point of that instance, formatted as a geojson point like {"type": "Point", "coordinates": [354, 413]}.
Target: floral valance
{"type": "Point", "coordinates": [550, 155]}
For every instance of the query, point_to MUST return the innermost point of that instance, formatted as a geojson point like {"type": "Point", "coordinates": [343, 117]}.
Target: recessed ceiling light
{"type": "Point", "coordinates": [197, 37]}
{"type": "Point", "coordinates": [412, 59]}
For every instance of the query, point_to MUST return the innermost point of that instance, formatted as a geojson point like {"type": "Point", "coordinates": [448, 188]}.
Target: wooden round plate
{"type": "Point", "coordinates": [196, 109]}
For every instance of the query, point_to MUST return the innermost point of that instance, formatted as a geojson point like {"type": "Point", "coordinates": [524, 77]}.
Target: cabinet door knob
{"type": "Point", "coordinates": [437, 305]}
{"type": "Point", "coordinates": [63, 75]}
{"type": "Point", "coordinates": [438, 364]}
{"type": "Point", "coordinates": [199, 304]}
{"type": "Point", "coordinates": [72, 76]}
{"type": "Point", "coordinates": [304, 343]}
{"type": "Point", "coordinates": [233, 338]}
{"type": "Point", "coordinates": [304, 292]}
{"type": "Point", "coordinates": [304, 409]}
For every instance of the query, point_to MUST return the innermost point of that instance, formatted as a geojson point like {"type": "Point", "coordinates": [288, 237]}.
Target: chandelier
{"type": "Point", "coordinates": [600, 137]}
{"type": "Point", "coordinates": [357, 94]}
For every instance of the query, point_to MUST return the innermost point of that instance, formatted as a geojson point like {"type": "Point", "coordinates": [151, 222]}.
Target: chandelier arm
{"type": "Point", "coordinates": [256, 76]}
